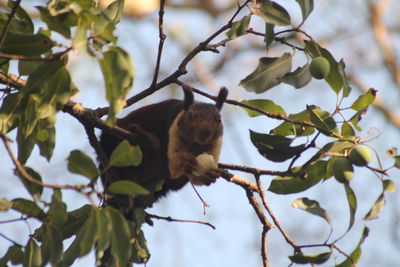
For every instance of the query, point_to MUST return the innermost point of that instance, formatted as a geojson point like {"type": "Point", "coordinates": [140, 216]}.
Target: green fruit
{"type": "Point", "coordinates": [360, 156]}
{"type": "Point", "coordinates": [343, 170]}
{"type": "Point", "coordinates": [319, 67]}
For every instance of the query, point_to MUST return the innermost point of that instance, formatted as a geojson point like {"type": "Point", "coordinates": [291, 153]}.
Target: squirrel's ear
{"type": "Point", "coordinates": [223, 93]}
{"type": "Point", "coordinates": [189, 98]}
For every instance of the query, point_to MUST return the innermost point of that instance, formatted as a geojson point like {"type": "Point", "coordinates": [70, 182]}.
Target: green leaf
{"type": "Point", "coordinates": [389, 186]}
{"type": "Point", "coordinates": [346, 85]}
{"type": "Point", "coordinates": [268, 73]}
{"type": "Point", "coordinates": [104, 229]}
{"type": "Point", "coordinates": [41, 75]}
{"type": "Point", "coordinates": [26, 44]}
{"type": "Point", "coordinates": [114, 11]}
{"type": "Point", "coordinates": [52, 247]}
{"type": "Point", "coordinates": [272, 13]}
{"type": "Point", "coordinates": [25, 146]}
{"type": "Point", "coordinates": [376, 208]}
{"type": "Point", "coordinates": [118, 72]}
{"type": "Point", "coordinates": [5, 204]}
{"type": "Point", "coordinates": [269, 34]}
{"type": "Point", "coordinates": [84, 241]}
{"type": "Point", "coordinates": [75, 220]}
{"type": "Point", "coordinates": [80, 40]}
{"type": "Point", "coordinates": [323, 120]}
{"type": "Point", "coordinates": [57, 214]}
{"type": "Point", "coordinates": [29, 116]}
{"type": "Point", "coordinates": [355, 255]}
{"type": "Point", "coordinates": [125, 155]}
{"type": "Point", "coordinates": [46, 139]}
{"type": "Point", "coordinates": [22, 16]}
{"type": "Point", "coordinates": [29, 208]}
{"type": "Point", "coordinates": [356, 119]}
{"type": "Point", "coordinates": [28, 67]}
{"type": "Point", "coordinates": [127, 188]}
{"type": "Point", "coordinates": [80, 163]}
{"type": "Point", "coordinates": [239, 28]}
{"type": "Point", "coordinates": [364, 100]}
{"type": "Point", "coordinates": [291, 184]}
{"type": "Point", "coordinates": [120, 236]}
{"type": "Point", "coordinates": [60, 23]}
{"type": "Point", "coordinates": [274, 147]}
{"type": "Point", "coordinates": [306, 6]}
{"type": "Point", "coordinates": [337, 147]}
{"type": "Point", "coordinates": [298, 78]}
{"type": "Point", "coordinates": [8, 112]}
{"type": "Point", "coordinates": [352, 201]}
{"type": "Point", "coordinates": [312, 207]}
{"type": "Point", "coordinates": [33, 188]}
{"type": "Point", "coordinates": [13, 254]}
{"type": "Point", "coordinates": [140, 252]}
{"type": "Point", "coordinates": [347, 130]}
{"type": "Point", "coordinates": [33, 256]}
{"type": "Point", "coordinates": [335, 78]}
{"type": "Point", "coordinates": [313, 259]}
{"type": "Point", "coordinates": [288, 128]}
{"type": "Point", "coordinates": [265, 105]}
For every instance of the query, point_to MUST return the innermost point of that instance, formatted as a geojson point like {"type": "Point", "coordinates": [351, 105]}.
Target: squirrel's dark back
{"type": "Point", "coordinates": [155, 121]}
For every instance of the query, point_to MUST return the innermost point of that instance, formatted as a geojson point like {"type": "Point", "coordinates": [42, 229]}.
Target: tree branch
{"type": "Point", "coordinates": [385, 44]}
{"type": "Point", "coordinates": [263, 196]}
{"type": "Point", "coordinates": [21, 169]}
{"type": "Point", "coordinates": [169, 219]}
{"type": "Point", "coordinates": [162, 37]}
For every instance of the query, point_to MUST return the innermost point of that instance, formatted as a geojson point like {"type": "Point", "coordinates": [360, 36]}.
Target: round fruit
{"type": "Point", "coordinates": [319, 67]}
{"type": "Point", "coordinates": [205, 163]}
{"type": "Point", "coordinates": [343, 170]}
{"type": "Point", "coordinates": [360, 156]}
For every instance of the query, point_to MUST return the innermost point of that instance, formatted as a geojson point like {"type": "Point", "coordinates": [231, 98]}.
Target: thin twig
{"type": "Point", "coordinates": [162, 37]}
{"type": "Point", "coordinates": [21, 169]}
{"type": "Point", "coordinates": [253, 170]}
{"type": "Point", "coordinates": [274, 218]}
{"type": "Point", "coordinates": [7, 24]}
{"type": "Point", "coordinates": [10, 240]}
{"type": "Point", "coordinates": [169, 219]}
{"type": "Point", "coordinates": [182, 69]}
{"type": "Point", "coordinates": [378, 103]}
{"type": "Point", "coordinates": [240, 104]}
{"type": "Point", "coordinates": [264, 246]}
{"type": "Point", "coordinates": [15, 220]}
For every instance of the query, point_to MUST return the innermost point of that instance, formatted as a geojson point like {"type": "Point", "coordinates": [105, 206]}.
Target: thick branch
{"type": "Point", "coordinates": [386, 45]}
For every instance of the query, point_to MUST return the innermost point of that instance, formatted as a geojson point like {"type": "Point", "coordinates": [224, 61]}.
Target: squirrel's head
{"type": "Point", "coordinates": [200, 122]}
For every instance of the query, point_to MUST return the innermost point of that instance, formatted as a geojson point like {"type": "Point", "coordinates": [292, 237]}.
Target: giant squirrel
{"type": "Point", "coordinates": [171, 134]}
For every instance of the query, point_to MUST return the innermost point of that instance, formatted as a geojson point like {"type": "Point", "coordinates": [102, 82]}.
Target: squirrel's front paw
{"type": "Point", "coordinates": [207, 178]}
{"type": "Point", "coordinates": [189, 163]}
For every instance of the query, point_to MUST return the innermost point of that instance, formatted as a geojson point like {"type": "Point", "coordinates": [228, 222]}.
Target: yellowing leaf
{"type": "Point", "coordinates": [312, 207]}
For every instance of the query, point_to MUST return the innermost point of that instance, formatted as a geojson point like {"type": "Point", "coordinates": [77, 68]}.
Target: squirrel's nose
{"type": "Point", "coordinates": [204, 135]}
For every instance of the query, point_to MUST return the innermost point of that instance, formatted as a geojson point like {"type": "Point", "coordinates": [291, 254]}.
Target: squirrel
{"type": "Point", "coordinates": [171, 134]}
